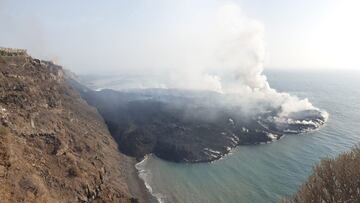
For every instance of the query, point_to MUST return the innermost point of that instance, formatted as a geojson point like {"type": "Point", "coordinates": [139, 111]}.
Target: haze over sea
{"type": "Point", "coordinates": [217, 45]}
{"type": "Point", "coordinates": [268, 172]}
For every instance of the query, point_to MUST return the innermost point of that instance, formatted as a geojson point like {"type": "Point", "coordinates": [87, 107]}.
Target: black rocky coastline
{"type": "Point", "coordinates": [175, 128]}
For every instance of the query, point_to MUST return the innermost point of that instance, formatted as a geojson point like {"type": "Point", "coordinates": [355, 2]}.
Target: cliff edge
{"type": "Point", "coordinates": [332, 180]}
{"type": "Point", "coordinates": [54, 147]}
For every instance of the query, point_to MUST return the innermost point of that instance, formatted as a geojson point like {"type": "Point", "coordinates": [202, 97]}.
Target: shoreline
{"type": "Point", "coordinates": [136, 185]}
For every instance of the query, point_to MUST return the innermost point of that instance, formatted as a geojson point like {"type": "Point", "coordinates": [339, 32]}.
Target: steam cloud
{"type": "Point", "coordinates": [241, 53]}
{"type": "Point", "coordinates": [227, 56]}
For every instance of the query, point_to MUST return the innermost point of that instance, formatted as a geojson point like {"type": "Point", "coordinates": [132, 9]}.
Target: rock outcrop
{"type": "Point", "coordinates": [54, 147]}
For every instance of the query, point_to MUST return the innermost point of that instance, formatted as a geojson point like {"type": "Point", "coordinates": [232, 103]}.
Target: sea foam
{"type": "Point", "coordinates": [146, 176]}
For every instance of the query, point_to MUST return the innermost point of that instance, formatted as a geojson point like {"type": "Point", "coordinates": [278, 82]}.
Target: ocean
{"type": "Point", "coordinates": [268, 172]}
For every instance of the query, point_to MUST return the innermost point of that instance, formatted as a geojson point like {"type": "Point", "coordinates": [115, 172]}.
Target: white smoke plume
{"type": "Point", "coordinates": [226, 54]}
{"type": "Point", "coordinates": [223, 52]}
{"type": "Point", "coordinates": [239, 53]}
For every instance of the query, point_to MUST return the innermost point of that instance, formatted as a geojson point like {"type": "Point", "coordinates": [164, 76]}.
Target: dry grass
{"type": "Point", "coordinates": [4, 130]}
{"type": "Point", "coordinates": [333, 180]}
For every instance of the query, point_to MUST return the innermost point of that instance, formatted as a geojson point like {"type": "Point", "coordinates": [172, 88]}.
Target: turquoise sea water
{"type": "Point", "coordinates": [266, 173]}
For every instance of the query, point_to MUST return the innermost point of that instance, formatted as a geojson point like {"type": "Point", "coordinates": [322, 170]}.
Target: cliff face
{"type": "Point", "coordinates": [53, 146]}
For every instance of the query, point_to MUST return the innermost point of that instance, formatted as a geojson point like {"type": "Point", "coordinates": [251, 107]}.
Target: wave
{"type": "Point", "coordinates": [146, 176]}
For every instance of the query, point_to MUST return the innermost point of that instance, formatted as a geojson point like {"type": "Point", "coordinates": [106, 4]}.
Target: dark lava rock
{"type": "Point", "coordinates": [185, 126]}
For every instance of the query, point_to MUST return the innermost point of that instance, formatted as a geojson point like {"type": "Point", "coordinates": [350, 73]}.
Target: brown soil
{"type": "Point", "coordinates": [54, 147]}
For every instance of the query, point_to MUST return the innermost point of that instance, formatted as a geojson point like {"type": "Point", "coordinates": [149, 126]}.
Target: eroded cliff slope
{"type": "Point", "coordinates": [53, 146]}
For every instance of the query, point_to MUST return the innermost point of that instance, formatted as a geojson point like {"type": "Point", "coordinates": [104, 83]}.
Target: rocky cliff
{"type": "Point", "coordinates": [53, 146]}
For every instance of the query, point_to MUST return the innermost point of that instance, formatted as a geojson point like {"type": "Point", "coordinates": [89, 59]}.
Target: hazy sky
{"type": "Point", "coordinates": [88, 36]}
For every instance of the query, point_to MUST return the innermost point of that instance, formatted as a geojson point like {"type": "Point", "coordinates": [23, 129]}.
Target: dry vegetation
{"type": "Point", "coordinates": [333, 180]}
{"type": "Point", "coordinates": [12, 52]}
{"type": "Point", "coordinates": [3, 131]}
{"type": "Point", "coordinates": [53, 146]}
